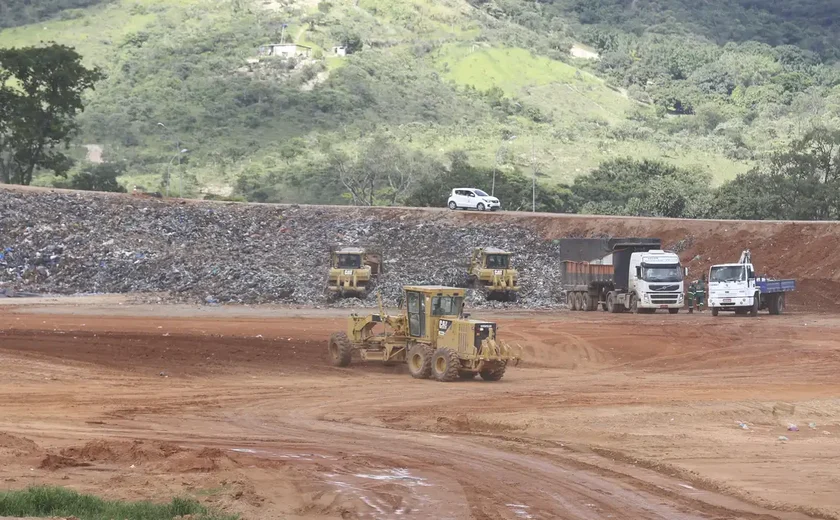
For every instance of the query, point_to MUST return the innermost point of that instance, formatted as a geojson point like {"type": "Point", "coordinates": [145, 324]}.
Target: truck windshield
{"type": "Point", "coordinates": [727, 273]}
{"type": "Point", "coordinates": [661, 273]}
{"type": "Point", "coordinates": [350, 261]}
{"type": "Point", "coordinates": [446, 305]}
{"type": "Point", "coordinates": [498, 261]}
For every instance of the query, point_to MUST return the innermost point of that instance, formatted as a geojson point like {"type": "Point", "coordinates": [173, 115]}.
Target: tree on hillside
{"type": "Point", "coordinates": [98, 177]}
{"type": "Point", "coordinates": [642, 188]}
{"type": "Point", "coordinates": [801, 183]}
{"type": "Point", "coordinates": [383, 174]}
{"type": "Point", "coordinates": [40, 95]}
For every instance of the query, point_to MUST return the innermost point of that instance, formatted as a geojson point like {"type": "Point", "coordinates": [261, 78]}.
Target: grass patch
{"type": "Point", "coordinates": [42, 501]}
{"type": "Point", "coordinates": [510, 68]}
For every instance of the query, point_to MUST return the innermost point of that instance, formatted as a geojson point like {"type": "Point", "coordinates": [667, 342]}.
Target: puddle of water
{"type": "Point", "coordinates": [398, 474]}
{"type": "Point", "coordinates": [520, 510]}
{"type": "Point", "coordinates": [276, 455]}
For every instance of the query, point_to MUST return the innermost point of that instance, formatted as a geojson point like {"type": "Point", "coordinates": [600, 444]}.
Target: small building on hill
{"type": "Point", "coordinates": [286, 50]}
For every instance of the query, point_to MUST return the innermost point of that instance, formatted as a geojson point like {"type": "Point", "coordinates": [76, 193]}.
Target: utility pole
{"type": "Point", "coordinates": [534, 179]}
{"type": "Point", "coordinates": [178, 152]}
{"type": "Point", "coordinates": [502, 147]}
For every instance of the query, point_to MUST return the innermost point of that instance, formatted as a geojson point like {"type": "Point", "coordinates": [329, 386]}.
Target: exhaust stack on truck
{"type": "Point", "coordinates": [635, 274]}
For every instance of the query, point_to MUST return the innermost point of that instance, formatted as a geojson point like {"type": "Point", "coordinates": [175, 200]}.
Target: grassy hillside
{"type": "Point", "coordinates": [491, 78]}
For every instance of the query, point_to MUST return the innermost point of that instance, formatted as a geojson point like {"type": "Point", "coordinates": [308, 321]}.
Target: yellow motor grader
{"type": "Point", "coordinates": [352, 271]}
{"type": "Point", "coordinates": [490, 270]}
{"type": "Point", "coordinates": [432, 334]}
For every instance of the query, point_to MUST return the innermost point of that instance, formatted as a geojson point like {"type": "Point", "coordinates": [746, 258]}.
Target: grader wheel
{"type": "Point", "coordinates": [445, 365]}
{"type": "Point", "coordinates": [494, 374]}
{"type": "Point", "coordinates": [420, 361]}
{"type": "Point", "coordinates": [341, 350]}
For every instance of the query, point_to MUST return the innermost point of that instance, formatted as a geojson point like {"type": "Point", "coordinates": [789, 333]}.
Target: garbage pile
{"type": "Point", "coordinates": [71, 243]}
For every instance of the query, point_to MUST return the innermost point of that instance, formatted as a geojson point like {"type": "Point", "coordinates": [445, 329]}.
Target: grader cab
{"type": "Point", "coordinates": [491, 271]}
{"type": "Point", "coordinates": [352, 271]}
{"type": "Point", "coordinates": [432, 334]}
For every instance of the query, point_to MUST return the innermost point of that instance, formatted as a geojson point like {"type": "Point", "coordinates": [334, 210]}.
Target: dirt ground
{"type": "Point", "coordinates": [609, 416]}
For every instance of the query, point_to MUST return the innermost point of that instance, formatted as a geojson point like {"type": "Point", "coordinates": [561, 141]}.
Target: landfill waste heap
{"type": "Point", "coordinates": [57, 242]}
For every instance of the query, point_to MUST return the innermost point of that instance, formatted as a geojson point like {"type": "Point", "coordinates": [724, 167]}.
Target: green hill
{"type": "Point", "coordinates": [494, 79]}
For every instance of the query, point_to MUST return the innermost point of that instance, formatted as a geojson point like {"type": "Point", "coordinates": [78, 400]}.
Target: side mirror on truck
{"type": "Point", "coordinates": [638, 271]}
{"type": "Point", "coordinates": [685, 272]}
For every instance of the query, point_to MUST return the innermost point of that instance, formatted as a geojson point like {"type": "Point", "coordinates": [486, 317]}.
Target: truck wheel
{"type": "Point", "coordinates": [674, 311]}
{"type": "Point", "coordinates": [580, 302]}
{"type": "Point", "coordinates": [591, 302]}
{"type": "Point", "coordinates": [341, 350]}
{"type": "Point", "coordinates": [571, 301]}
{"type": "Point", "coordinates": [777, 304]}
{"type": "Point", "coordinates": [634, 304]}
{"type": "Point", "coordinates": [714, 311]}
{"type": "Point", "coordinates": [611, 305]}
{"type": "Point", "coordinates": [420, 362]}
{"type": "Point", "coordinates": [445, 365]}
{"type": "Point", "coordinates": [754, 308]}
{"type": "Point", "coordinates": [494, 374]}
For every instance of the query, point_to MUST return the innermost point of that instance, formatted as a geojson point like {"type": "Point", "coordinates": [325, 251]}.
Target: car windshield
{"type": "Point", "coordinates": [446, 305]}
{"type": "Point", "coordinates": [498, 261]}
{"type": "Point", "coordinates": [350, 261]}
{"type": "Point", "coordinates": [661, 273]}
{"type": "Point", "coordinates": [481, 193]}
{"type": "Point", "coordinates": [727, 273]}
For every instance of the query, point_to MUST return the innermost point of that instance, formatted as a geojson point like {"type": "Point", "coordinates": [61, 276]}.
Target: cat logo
{"type": "Point", "coordinates": [444, 326]}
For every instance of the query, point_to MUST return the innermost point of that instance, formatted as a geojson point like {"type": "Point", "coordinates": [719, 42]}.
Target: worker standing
{"type": "Point", "coordinates": [700, 293]}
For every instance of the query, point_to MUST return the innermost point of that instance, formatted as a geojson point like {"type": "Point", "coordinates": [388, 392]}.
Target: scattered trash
{"type": "Point", "coordinates": [218, 254]}
{"type": "Point", "coordinates": [812, 425]}
{"type": "Point", "coordinates": [793, 428]}
{"type": "Point", "coordinates": [783, 438]}
{"type": "Point", "coordinates": [743, 426]}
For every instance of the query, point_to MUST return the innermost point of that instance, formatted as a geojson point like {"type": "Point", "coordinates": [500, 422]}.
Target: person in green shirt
{"type": "Point", "coordinates": [697, 294]}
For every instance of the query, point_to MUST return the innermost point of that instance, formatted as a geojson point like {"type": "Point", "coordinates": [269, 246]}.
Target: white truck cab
{"type": "Point", "coordinates": [656, 281]}
{"type": "Point", "coordinates": [732, 285]}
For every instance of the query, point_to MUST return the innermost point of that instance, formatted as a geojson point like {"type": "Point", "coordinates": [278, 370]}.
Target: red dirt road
{"type": "Point", "coordinates": [608, 417]}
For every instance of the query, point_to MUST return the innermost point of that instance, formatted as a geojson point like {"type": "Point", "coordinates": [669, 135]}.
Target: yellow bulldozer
{"type": "Point", "coordinates": [431, 334]}
{"type": "Point", "coordinates": [352, 271]}
{"type": "Point", "coordinates": [491, 271]}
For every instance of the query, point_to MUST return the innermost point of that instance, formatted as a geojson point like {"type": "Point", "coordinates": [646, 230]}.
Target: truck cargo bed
{"type": "Point", "coordinates": [767, 286]}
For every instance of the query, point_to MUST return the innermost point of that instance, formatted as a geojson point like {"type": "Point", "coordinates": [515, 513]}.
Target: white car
{"type": "Point", "coordinates": [472, 198]}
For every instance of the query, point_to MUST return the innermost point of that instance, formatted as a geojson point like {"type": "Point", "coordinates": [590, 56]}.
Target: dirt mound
{"type": "Point", "coordinates": [204, 460]}
{"type": "Point", "coordinates": [157, 456]}
{"type": "Point", "coordinates": [53, 462]}
{"type": "Point", "coordinates": [122, 452]}
{"type": "Point", "coordinates": [16, 446]}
